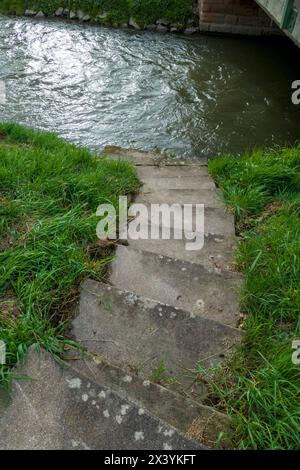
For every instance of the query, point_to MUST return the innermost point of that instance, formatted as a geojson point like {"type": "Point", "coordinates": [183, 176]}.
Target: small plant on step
{"type": "Point", "coordinates": [160, 375]}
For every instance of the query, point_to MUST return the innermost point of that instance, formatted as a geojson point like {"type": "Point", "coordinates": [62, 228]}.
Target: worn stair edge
{"type": "Point", "coordinates": [137, 333]}
{"type": "Point", "coordinates": [208, 197]}
{"type": "Point", "coordinates": [209, 293]}
{"type": "Point", "coordinates": [60, 409]}
{"type": "Point", "coordinates": [217, 222]}
{"type": "Point", "coordinates": [148, 172]}
{"type": "Point", "coordinates": [140, 157]}
{"type": "Point", "coordinates": [218, 238]}
{"type": "Point", "coordinates": [215, 254]}
{"type": "Point", "coordinates": [180, 412]}
{"type": "Point", "coordinates": [179, 183]}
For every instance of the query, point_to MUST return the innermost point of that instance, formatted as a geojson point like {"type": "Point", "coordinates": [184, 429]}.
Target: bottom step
{"type": "Point", "coordinates": [59, 409]}
{"type": "Point", "coordinates": [184, 414]}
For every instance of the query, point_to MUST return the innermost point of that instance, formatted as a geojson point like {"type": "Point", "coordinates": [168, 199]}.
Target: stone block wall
{"type": "Point", "coordinates": [235, 17]}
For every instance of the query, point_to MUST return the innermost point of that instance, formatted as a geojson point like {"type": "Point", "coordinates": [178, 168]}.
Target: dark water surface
{"type": "Point", "coordinates": [194, 96]}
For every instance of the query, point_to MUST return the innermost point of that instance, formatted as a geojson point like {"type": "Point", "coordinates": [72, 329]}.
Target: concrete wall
{"type": "Point", "coordinates": [235, 17]}
{"type": "Point", "coordinates": [295, 34]}
{"type": "Point", "coordinates": [277, 10]}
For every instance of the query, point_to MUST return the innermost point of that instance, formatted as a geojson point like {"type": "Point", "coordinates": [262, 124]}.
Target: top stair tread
{"type": "Point", "coordinates": [140, 157]}
{"type": "Point", "coordinates": [175, 177]}
{"type": "Point", "coordinates": [180, 171]}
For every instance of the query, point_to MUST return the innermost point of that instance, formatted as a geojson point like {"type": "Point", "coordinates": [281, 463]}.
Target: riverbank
{"type": "Point", "coordinates": [260, 386]}
{"type": "Point", "coordinates": [49, 193]}
{"type": "Point", "coordinates": [154, 15]}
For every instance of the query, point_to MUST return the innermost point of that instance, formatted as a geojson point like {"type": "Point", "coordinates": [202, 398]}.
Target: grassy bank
{"type": "Point", "coordinates": [107, 12]}
{"type": "Point", "coordinates": [49, 192]}
{"type": "Point", "coordinates": [260, 387]}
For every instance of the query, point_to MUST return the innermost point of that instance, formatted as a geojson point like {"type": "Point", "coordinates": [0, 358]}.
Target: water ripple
{"type": "Point", "coordinates": [96, 86]}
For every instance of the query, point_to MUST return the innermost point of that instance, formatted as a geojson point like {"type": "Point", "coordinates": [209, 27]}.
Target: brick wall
{"type": "Point", "coordinates": [234, 17]}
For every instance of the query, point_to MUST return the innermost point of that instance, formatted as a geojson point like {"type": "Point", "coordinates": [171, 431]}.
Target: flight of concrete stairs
{"type": "Point", "coordinates": [163, 311]}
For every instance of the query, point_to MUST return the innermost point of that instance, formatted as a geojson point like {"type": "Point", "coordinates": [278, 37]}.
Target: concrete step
{"type": "Point", "coordinates": [179, 411]}
{"type": "Point", "coordinates": [178, 183]}
{"type": "Point", "coordinates": [140, 157]}
{"type": "Point", "coordinates": [206, 293]}
{"type": "Point", "coordinates": [175, 177]}
{"type": "Point", "coordinates": [148, 172]}
{"type": "Point", "coordinates": [139, 334]}
{"type": "Point", "coordinates": [59, 409]}
{"type": "Point", "coordinates": [215, 254]}
{"type": "Point", "coordinates": [219, 239]}
{"type": "Point", "coordinates": [208, 197]}
{"type": "Point", "coordinates": [217, 222]}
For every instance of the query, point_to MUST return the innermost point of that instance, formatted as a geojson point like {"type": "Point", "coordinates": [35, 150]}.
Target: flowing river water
{"type": "Point", "coordinates": [193, 96]}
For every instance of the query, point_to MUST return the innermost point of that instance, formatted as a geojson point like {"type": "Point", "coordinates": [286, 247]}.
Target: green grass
{"type": "Point", "coordinates": [149, 11]}
{"type": "Point", "coordinates": [260, 386]}
{"type": "Point", "coordinates": [49, 193]}
{"type": "Point", "coordinates": [118, 11]}
{"type": "Point", "coordinates": [12, 7]}
{"type": "Point", "coordinates": [160, 375]}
